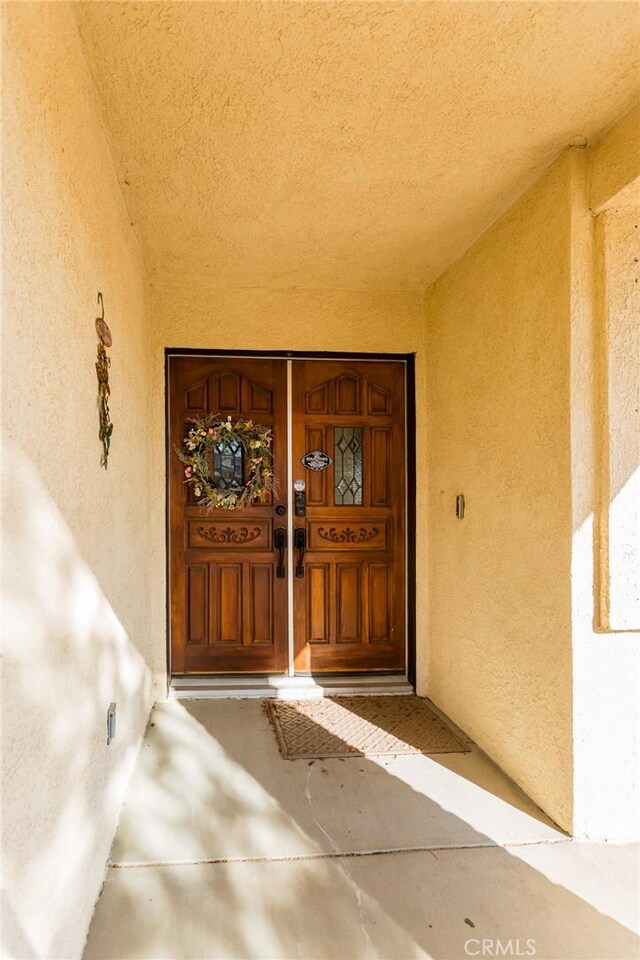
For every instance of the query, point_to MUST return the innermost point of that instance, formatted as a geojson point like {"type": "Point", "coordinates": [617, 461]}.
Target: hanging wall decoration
{"type": "Point", "coordinates": [240, 453]}
{"type": "Point", "coordinates": [103, 362]}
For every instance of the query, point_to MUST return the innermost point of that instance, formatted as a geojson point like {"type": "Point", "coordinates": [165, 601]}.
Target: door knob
{"type": "Point", "coordinates": [280, 543]}
{"type": "Point", "coordinates": [300, 542]}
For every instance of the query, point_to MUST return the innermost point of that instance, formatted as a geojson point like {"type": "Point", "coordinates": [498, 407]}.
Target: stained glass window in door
{"type": "Point", "coordinates": [347, 466]}
{"type": "Point", "coordinates": [227, 465]}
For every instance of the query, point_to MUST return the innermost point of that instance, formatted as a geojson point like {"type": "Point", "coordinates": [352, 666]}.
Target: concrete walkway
{"type": "Point", "coordinates": [225, 850]}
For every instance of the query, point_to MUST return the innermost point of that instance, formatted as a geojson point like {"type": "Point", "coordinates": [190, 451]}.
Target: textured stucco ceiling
{"type": "Point", "coordinates": [347, 145]}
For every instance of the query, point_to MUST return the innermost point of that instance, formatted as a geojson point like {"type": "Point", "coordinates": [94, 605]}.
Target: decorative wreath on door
{"type": "Point", "coordinates": [207, 441]}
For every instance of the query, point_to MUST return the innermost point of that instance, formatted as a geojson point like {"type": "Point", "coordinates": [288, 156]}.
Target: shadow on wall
{"type": "Point", "coordinates": [210, 786]}
{"type": "Point", "coordinates": [66, 657]}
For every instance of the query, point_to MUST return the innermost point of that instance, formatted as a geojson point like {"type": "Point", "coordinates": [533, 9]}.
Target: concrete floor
{"type": "Point", "coordinates": [225, 850]}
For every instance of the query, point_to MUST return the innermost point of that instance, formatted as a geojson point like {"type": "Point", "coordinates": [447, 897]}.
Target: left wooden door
{"type": "Point", "coordinates": [228, 607]}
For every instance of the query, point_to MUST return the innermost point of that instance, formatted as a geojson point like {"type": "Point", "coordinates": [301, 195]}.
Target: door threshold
{"type": "Point", "coordinates": [288, 688]}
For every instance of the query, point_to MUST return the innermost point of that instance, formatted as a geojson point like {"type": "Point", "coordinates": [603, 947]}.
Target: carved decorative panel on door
{"type": "Point", "coordinates": [228, 607]}
{"type": "Point", "coordinates": [349, 604]}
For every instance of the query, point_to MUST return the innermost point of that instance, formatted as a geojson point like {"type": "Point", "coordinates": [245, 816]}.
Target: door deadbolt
{"type": "Point", "coordinates": [300, 498]}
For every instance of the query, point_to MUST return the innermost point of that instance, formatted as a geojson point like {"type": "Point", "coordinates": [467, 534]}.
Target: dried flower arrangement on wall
{"type": "Point", "coordinates": [103, 362]}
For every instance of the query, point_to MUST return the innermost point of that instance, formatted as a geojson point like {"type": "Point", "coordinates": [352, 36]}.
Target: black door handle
{"type": "Point", "coordinates": [280, 543]}
{"type": "Point", "coordinates": [300, 542]}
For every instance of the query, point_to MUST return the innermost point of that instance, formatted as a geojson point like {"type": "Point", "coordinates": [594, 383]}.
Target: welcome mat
{"type": "Point", "coordinates": [359, 727]}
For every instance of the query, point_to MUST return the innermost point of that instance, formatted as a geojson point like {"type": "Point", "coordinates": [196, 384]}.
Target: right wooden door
{"type": "Point", "coordinates": [349, 563]}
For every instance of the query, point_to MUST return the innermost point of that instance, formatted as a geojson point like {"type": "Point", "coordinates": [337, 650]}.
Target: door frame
{"type": "Point", "coordinates": [410, 433]}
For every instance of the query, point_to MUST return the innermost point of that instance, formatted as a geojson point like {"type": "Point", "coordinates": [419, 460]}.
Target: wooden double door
{"type": "Point", "coordinates": [313, 580]}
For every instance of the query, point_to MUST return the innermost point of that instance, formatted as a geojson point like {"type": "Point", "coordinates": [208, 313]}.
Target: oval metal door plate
{"type": "Point", "coordinates": [316, 460]}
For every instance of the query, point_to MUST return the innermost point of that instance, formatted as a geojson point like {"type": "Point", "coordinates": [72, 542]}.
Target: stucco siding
{"type": "Point", "coordinates": [76, 583]}
{"type": "Point", "coordinates": [498, 432]}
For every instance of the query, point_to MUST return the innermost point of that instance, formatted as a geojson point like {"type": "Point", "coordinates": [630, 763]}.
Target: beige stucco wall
{"type": "Point", "coordinates": [198, 315]}
{"type": "Point", "coordinates": [532, 414]}
{"type": "Point", "coordinates": [613, 163]}
{"type": "Point", "coordinates": [605, 359]}
{"type": "Point", "coordinates": [498, 432]}
{"type": "Point", "coordinates": [617, 247]}
{"type": "Point", "coordinates": [75, 538]}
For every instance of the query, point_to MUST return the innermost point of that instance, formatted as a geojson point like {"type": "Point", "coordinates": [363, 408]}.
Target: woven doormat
{"type": "Point", "coordinates": [359, 727]}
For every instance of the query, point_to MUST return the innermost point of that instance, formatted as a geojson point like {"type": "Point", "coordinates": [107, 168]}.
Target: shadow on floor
{"type": "Point", "coordinates": [295, 858]}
